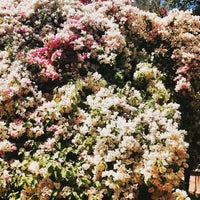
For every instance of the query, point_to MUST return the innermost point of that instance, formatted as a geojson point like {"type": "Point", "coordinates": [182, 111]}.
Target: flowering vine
{"type": "Point", "coordinates": [94, 100]}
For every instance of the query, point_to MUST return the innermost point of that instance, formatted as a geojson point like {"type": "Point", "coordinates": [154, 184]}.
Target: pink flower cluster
{"type": "Point", "coordinates": [57, 56]}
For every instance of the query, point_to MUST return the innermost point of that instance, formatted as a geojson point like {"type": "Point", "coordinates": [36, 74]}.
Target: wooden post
{"type": "Point", "coordinates": [194, 183]}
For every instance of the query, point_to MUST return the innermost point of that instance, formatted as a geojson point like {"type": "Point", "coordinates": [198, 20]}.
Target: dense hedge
{"type": "Point", "coordinates": [98, 100]}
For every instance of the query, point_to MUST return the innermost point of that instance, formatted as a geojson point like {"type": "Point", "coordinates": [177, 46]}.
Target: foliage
{"type": "Point", "coordinates": [162, 6]}
{"type": "Point", "coordinates": [151, 5]}
{"type": "Point", "coordinates": [184, 5]}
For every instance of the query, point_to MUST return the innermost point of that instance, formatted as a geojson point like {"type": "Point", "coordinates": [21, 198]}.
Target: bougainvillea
{"type": "Point", "coordinates": [92, 100]}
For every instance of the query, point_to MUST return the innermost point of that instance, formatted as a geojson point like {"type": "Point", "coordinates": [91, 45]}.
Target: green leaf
{"type": "Point", "coordinates": [50, 169]}
{"type": "Point", "coordinates": [63, 173]}
{"type": "Point", "coordinates": [76, 196]}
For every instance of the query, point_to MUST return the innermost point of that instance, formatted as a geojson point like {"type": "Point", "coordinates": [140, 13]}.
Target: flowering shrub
{"type": "Point", "coordinates": [90, 100]}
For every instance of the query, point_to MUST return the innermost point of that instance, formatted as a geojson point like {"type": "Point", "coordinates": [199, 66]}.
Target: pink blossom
{"type": "Point", "coordinates": [78, 120]}
{"type": "Point", "coordinates": [22, 14]}
{"type": "Point", "coordinates": [14, 134]}
{"type": "Point", "coordinates": [6, 176]}
{"type": "Point", "coordinates": [56, 54]}
{"type": "Point", "coordinates": [20, 55]}
{"type": "Point", "coordinates": [20, 30]}
{"type": "Point", "coordinates": [54, 43]}
{"type": "Point", "coordinates": [2, 153]}
{"type": "Point", "coordinates": [41, 50]}
{"type": "Point", "coordinates": [9, 91]}
{"type": "Point", "coordinates": [182, 83]}
{"type": "Point", "coordinates": [183, 87]}
{"type": "Point", "coordinates": [51, 74]}
{"type": "Point", "coordinates": [17, 121]}
{"type": "Point", "coordinates": [50, 143]}
{"type": "Point", "coordinates": [53, 128]}
{"type": "Point", "coordinates": [82, 57]}
{"type": "Point", "coordinates": [11, 161]}
{"type": "Point", "coordinates": [182, 69]}
{"type": "Point", "coordinates": [13, 148]}
{"type": "Point", "coordinates": [76, 23]}
{"type": "Point", "coordinates": [85, 1]}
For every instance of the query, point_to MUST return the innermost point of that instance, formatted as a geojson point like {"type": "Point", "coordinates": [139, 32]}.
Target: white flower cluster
{"type": "Point", "coordinates": [146, 72]}
{"type": "Point", "coordinates": [134, 144]}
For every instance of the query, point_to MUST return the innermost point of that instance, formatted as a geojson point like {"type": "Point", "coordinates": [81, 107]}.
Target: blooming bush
{"type": "Point", "coordinates": [92, 97]}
